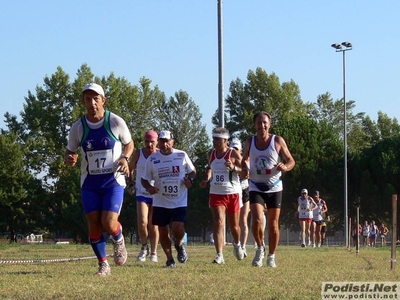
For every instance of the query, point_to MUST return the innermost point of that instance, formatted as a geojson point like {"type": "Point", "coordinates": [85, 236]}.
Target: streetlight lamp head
{"type": "Point", "coordinates": [347, 44]}
{"type": "Point", "coordinates": [336, 46]}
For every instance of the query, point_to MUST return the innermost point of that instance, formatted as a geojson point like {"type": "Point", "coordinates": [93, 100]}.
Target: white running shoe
{"type": "Point", "coordinates": [144, 252]}
{"type": "Point", "coordinates": [313, 245]}
{"type": "Point", "coordinates": [258, 258]}
{"type": "Point", "coordinates": [104, 269]}
{"type": "Point", "coordinates": [238, 252]}
{"type": "Point", "coordinates": [219, 259]}
{"type": "Point", "coordinates": [244, 252]}
{"type": "Point", "coordinates": [154, 257]}
{"type": "Point", "coordinates": [120, 254]}
{"type": "Point", "coordinates": [271, 261]}
{"type": "Point", "coordinates": [319, 245]}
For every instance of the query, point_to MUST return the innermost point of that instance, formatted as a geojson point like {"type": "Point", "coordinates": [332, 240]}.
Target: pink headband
{"type": "Point", "coordinates": [151, 135]}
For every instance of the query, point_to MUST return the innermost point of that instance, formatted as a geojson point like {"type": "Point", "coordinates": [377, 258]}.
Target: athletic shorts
{"type": "Point", "coordinates": [323, 229]}
{"type": "Point", "coordinates": [307, 220]}
{"type": "Point", "coordinates": [245, 195]}
{"type": "Point", "coordinates": [144, 199]}
{"type": "Point", "coordinates": [272, 200]}
{"type": "Point", "coordinates": [372, 236]}
{"type": "Point", "coordinates": [230, 201]}
{"type": "Point", "coordinates": [164, 216]}
{"type": "Point", "coordinates": [102, 199]}
{"type": "Point", "coordinates": [318, 222]}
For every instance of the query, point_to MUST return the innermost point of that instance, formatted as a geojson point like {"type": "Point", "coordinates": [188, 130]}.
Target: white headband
{"type": "Point", "coordinates": [221, 135]}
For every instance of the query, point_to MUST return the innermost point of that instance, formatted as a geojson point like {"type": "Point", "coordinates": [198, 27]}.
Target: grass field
{"type": "Point", "coordinates": [299, 273]}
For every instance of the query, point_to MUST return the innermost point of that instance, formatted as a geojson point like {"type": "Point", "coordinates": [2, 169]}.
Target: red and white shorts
{"type": "Point", "coordinates": [231, 202]}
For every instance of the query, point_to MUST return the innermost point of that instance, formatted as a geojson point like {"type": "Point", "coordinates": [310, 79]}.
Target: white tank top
{"type": "Point", "coordinates": [263, 167]}
{"type": "Point", "coordinates": [140, 164]}
{"type": "Point", "coordinates": [317, 212]}
{"type": "Point", "coordinates": [365, 230]}
{"type": "Point", "coordinates": [304, 206]}
{"type": "Point", "coordinates": [223, 181]}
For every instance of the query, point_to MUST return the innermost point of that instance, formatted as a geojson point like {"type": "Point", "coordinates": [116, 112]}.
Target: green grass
{"type": "Point", "coordinates": [298, 276]}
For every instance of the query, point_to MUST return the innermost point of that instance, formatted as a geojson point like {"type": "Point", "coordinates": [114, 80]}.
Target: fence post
{"type": "Point", "coordinates": [358, 232]}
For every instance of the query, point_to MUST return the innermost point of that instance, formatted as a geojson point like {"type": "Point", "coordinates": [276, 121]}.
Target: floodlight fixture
{"type": "Point", "coordinates": [336, 46]}
{"type": "Point", "coordinates": [347, 45]}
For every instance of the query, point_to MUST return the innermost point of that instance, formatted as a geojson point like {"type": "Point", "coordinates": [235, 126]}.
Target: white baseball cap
{"type": "Point", "coordinates": [236, 144]}
{"type": "Point", "coordinates": [304, 191]}
{"type": "Point", "coordinates": [165, 134]}
{"type": "Point", "coordinates": [94, 87]}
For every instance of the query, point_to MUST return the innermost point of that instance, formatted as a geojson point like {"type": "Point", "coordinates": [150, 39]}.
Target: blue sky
{"type": "Point", "coordinates": [174, 43]}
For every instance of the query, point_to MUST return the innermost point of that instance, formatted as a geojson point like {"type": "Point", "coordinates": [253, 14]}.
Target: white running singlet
{"type": "Point", "coordinates": [140, 165]}
{"type": "Point", "coordinates": [168, 173]}
{"type": "Point", "coordinates": [223, 181]}
{"type": "Point", "coordinates": [304, 207]}
{"type": "Point", "coordinates": [263, 167]}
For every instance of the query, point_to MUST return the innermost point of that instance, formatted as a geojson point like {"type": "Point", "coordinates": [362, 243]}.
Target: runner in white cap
{"type": "Point", "coordinates": [172, 173]}
{"type": "Point", "coordinates": [106, 145]}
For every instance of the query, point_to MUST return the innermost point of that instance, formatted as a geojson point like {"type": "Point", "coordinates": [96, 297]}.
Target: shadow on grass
{"type": "Point", "coordinates": [22, 273]}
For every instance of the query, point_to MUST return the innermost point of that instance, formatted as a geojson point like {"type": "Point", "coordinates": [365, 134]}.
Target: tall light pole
{"type": "Point", "coordinates": [345, 46]}
{"type": "Point", "coordinates": [221, 100]}
{"type": "Point", "coordinates": [221, 103]}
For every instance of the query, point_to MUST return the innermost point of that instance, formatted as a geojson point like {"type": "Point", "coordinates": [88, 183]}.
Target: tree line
{"type": "Point", "coordinates": [39, 192]}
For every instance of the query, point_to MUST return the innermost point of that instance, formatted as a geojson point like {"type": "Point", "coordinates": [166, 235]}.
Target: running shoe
{"type": "Point", "coordinates": [313, 245]}
{"type": "Point", "coordinates": [258, 258]}
{"type": "Point", "coordinates": [303, 245]}
{"type": "Point", "coordinates": [120, 254]}
{"type": "Point", "coordinates": [182, 255]}
{"type": "Point", "coordinates": [238, 252]}
{"type": "Point", "coordinates": [144, 252]}
{"type": "Point", "coordinates": [271, 261]}
{"type": "Point", "coordinates": [154, 257]}
{"type": "Point", "coordinates": [244, 252]}
{"type": "Point", "coordinates": [104, 269]}
{"type": "Point", "coordinates": [170, 263]}
{"type": "Point", "coordinates": [219, 259]}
